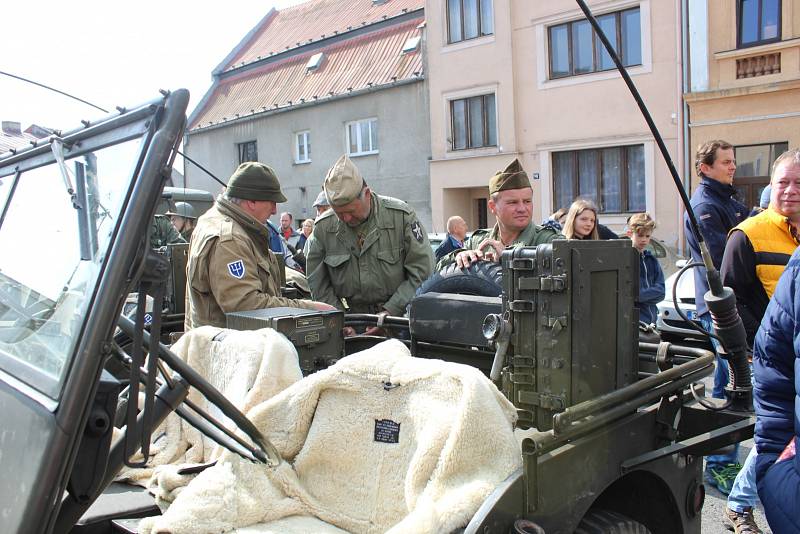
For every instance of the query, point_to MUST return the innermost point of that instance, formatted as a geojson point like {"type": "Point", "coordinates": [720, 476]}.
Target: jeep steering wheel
{"type": "Point", "coordinates": [264, 451]}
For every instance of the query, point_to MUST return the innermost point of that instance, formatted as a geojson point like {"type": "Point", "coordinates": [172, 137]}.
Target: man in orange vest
{"type": "Point", "coordinates": [756, 254]}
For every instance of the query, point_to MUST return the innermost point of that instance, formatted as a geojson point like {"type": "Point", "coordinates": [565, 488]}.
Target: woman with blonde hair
{"type": "Point", "coordinates": [581, 220]}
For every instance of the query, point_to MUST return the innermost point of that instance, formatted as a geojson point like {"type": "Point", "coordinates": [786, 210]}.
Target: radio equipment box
{"type": "Point", "coordinates": [317, 335]}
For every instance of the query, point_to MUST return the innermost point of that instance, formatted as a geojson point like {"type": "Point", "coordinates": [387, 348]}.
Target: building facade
{"type": "Point", "coordinates": [745, 82]}
{"type": "Point", "coordinates": [313, 82]}
{"type": "Point", "coordinates": [514, 78]}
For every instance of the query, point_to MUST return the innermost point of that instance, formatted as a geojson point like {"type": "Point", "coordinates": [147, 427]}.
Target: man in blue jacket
{"type": "Point", "coordinates": [651, 277]}
{"type": "Point", "coordinates": [717, 212]}
{"type": "Point", "coordinates": [776, 364]}
{"type": "Point", "coordinates": [456, 234]}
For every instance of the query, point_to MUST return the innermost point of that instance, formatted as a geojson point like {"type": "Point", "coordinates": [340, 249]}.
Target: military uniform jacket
{"type": "Point", "coordinates": [231, 268]}
{"type": "Point", "coordinates": [162, 233]}
{"type": "Point", "coordinates": [531, 236]}
{"type": "Point", "coordinates": [384, 273]}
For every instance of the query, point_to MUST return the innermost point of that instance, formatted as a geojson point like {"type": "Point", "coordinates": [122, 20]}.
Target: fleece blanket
{"type": "Point", "coordinates": [379, 442]}
{"type": "Point", "coordinates": [248, 367]}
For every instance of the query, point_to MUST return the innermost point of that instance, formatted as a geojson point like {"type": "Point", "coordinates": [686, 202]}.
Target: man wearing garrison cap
{"type": "Point", "coordinates": [511, 201]}
{"type": "Point", "coordinates": [231, 267]}
{"type": "Point", "coordinates": [368, 253]}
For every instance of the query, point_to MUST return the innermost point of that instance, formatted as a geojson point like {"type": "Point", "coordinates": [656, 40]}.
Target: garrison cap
{"type": "Point", "coordinates": [321, 201]}
{"type": "Point", "coordinates": [343, 182]}
{"type": "Point", "coordinates": [512, 177]}
{"type": "Point", "coordinates": [255, 181]}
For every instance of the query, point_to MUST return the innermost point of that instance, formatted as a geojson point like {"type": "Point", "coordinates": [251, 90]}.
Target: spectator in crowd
{"type": "Point", "coordinates": [717, 212]}
{"type": "Point", "coordinates": [287, 231]}
{"type": "Point", "coordinates": [556, 220]}
{"type": "Point", "coordinates": [651, 277]}
{"type": "Point", "coordinates": [756, 254]}
{"type": "Point", "coordinates": [511, 202]}
{"type": "Point", "coordinates": [456, 234]}
{"type": "Point", "coordinates": [581, 220]}
{"type": "Point", "coordinates": [230, 265]}
{"type": "Point", "coordinates": [604, 232]}
{"type": "Point", "coordinates": [321, 204]}
{"type": "Point", "coordinates": [183, 219]}
{"type": "Point", "coordinates": [370, 253]}
{"type": "Point", "coordinates": [307, 227]}
{"type": "Point", "coordinates": [763, 202]}
{"type": "Point", "coordinates": [776, 365]}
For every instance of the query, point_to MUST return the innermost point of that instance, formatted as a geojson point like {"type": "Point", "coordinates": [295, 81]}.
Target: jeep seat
{"type": "Point", "coordinates": [379, 442]}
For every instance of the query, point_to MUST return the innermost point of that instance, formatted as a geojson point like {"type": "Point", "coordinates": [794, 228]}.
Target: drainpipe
{"type": "Point", "coordinates": [687, 154]}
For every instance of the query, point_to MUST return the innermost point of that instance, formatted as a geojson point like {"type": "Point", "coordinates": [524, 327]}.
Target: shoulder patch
{"type": "Point", "coordinates": [236, 269]}
{"type": "Point", "coordinates": [416, 231]}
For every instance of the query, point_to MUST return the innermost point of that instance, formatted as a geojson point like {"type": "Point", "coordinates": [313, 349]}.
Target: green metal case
{"type": "Point", "coordinates": [552, 288]}
{"type": "Point", "coordinates": [317, 335]}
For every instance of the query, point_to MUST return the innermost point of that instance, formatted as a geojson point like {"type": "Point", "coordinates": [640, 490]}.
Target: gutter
{"type": "Point", "coordinates": [302, 105]}
{"type": "Point", "coordinates": [687, 168]}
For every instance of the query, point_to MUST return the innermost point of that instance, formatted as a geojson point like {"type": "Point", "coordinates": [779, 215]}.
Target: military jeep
{"type": "Point", "coordinates": [611, 430]}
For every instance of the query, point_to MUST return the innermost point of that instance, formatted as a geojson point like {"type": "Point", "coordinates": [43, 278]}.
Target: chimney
{"type": "Point", "coordinates": [12, 128]}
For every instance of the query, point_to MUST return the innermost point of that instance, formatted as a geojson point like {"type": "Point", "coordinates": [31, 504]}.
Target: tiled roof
{"type": "Point", "coordinates": [312, 21]}
{"type": "Point", "coordinates": [365, 61]}
{"type": "Point", "coordinates": [9, 141]}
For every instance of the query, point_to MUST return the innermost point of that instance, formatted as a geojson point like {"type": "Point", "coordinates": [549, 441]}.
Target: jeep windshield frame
{"type": "Point", "coordinates": [45, 411]}
{"type": "Point", "coordinates": [72, 198]}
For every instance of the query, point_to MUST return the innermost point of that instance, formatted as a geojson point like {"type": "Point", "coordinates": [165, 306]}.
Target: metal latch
{"type": "Point", "coordinates": [553, 284]}
{"type": "Point", "coordinates": [543, 400]}
{"type": "Point", "coordinates": [557, 323]}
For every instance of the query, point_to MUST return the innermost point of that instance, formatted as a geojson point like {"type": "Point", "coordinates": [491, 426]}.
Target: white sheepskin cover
{"type": "Point", "coordinates": [248, 367]}
{"type": "Point", "coordinates": [455, 444]}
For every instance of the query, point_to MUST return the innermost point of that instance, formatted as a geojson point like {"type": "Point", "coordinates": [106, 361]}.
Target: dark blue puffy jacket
{"type": "Point", "coordinates": [776, 364]}
{"type": "Point", "coordinates": [717, 212]}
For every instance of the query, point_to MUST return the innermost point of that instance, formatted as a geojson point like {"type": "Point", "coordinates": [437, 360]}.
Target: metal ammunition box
{"type": "Point", "coordinates": [551, 289]}
{"type": "Point", "coordinates": [317, 335]}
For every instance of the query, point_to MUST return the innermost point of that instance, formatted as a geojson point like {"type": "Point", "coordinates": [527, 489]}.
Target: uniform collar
{"type": "Point", "coordinates": [244, 219]}
{"type": "Point", "coordinates": [719, 188]}
{"type": "Point", "coordinates": [525, 236]}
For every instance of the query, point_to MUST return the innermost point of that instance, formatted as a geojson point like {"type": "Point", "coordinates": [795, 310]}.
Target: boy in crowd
{"type": "Point", "coordinates": [651, 277]}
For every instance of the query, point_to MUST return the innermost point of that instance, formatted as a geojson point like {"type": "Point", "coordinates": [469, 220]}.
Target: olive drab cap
{"type": "Point", "coordinates": [255, 181]}
{"type": "Point", "coordinates": [183, 209]}
{"type": "Point", "coordinates": [512, 177]}
{"type": "Point", "coordinates": [343, 182]}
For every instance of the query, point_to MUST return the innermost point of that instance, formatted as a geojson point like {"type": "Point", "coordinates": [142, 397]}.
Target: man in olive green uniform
{"type": "Point", "coordinates": [184, 219]}
{"type": "Point", "coordinates": [163, 233]}
{"type": "Point", "coordinates": [230, 265]}
{"type": "Point", "coordinates": [511, 201]}
{"type": "Point", "coordinates": [368, 250]}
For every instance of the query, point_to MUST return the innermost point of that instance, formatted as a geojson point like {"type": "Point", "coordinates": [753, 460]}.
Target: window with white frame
{"type": "Point", "coordinates": [362, 137]}
{"type": "Point", "coordinates": [302, 147]}
{"type": "Point", "coordinates": [473, 122]}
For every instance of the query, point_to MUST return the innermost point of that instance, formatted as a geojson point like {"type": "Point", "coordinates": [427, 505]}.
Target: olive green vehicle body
{"type": "Point", "coordinates": [605, 422]}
